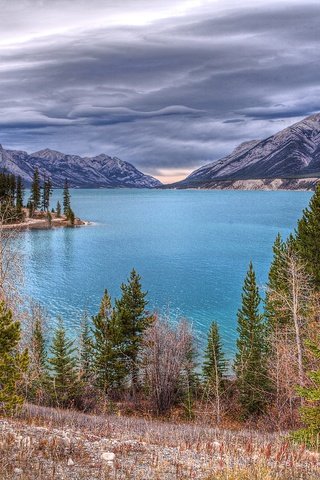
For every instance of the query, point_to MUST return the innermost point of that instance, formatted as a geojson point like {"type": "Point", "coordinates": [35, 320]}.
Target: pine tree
{"type": "Point", "coordinates": [39, 374]}
{"type": "Point", "coordinates": [46, 194]}
{"type": "Point", "coordinates": [36, 190]}
{"type": "Point", "coordinates": [85, 350]}
{"type": "Point", "coordinates": [277, 283]}
{"type": "Point", "coordinates": [66, 198]}
{"type": "Point", "coordinates": [109, 366]}
{"type": "Point", "coordinates": [134, 320]}
{"type": "Point", "coordinates": [250, 361]}
{"type": "Point", "coordinates": [58, 209]}
{"type": "Point", "coordinates": [19, 196]}
{"type": "Point", "coordinates": [307, 240]}
{"type": "Point", "coordinates": [63, 366]}
{"type": "Point", "coordinates": [12, 363]}
{"type": "Point", "coordinates": [214, 365]}
{"type": "Point", "coordinates": [310, 412]}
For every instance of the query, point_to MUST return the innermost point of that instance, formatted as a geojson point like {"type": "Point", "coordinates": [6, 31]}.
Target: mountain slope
{"type": "Point", "coordinates": [292, 153]}
{"type": "Point", "coordinates": [85, 172]}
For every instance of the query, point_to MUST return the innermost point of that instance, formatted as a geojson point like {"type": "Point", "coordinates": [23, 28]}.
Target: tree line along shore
{"type": "Point", "coordinates": [37, 212]}
{"type": "Point", "coordinates": [130, 360]}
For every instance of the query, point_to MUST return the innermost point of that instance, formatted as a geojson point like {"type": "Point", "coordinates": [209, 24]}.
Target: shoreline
{"type": "Point", "coordinates": [42, 224]}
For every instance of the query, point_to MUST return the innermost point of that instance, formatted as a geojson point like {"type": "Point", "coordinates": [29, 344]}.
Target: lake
{"type": "Point", "coordinates": [192, 249]}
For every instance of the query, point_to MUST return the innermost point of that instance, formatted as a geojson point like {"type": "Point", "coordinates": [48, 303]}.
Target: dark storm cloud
{"type": "Point", "coordinates": [175, 91]}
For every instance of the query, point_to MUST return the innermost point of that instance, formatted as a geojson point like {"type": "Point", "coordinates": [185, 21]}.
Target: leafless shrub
{"type": "Point", "coordinates": [166, 356]}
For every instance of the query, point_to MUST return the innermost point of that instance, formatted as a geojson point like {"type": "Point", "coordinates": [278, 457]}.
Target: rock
{"type": "Point", "coordinates": [18, 471]}
{"type": "Point", "coordinates": [70, 462]}
{"type": "Point", "coordinates": [108, 457]}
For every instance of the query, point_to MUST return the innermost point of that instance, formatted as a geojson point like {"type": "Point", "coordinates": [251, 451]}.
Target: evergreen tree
{"type": "Point", "coordinates": [109, 366]}
{"type": "Point", "coordinates": [250, 361]}
{"type": "Point", "coordinates": [66, 198]}
{"type": "Point", "coordinates": [133, 319]}
{"type": "Point", "coordinates": [39, 374]}
{"type": "Point", "coordinates": [71, 216]}
{"type": "Point", "coordinates": [307, 240]}
{"type": "Point", "coordinates": [12, 363]}
{"type": "Point", "coordinates": [214, 365]}
{"type": "Point", "coordinates": [277, 284]}
{"type": "Point", "coordinates": [46, 194]}
{"type": "Point", "coordinates": [63, 368]}
{"type": "Point", "coordinates": [85, 350]}
{"type": "Point", "coordinates": [58, 209]}
{"type": "Point", "coordinates": [36, 190]}
{"type": "Point", "coordinates": [310, 412]}
{"type": "Point", "coordinates": [19, 196]}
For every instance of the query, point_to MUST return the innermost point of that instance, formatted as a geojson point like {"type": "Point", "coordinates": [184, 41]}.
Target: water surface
{"type": "Point", "coordinates": [192, 249]}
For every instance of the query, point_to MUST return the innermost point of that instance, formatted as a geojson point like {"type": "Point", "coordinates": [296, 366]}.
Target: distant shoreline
{"type": "Point", "coordinates": [42, 223]}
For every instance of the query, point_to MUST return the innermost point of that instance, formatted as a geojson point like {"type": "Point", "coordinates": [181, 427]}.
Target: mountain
{"type": "Point", "coordinates": [85, 172]}
{"type": "Point", "coordinates": [291, 154]}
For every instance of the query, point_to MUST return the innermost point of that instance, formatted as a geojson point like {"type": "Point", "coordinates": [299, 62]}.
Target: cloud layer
{"type": "Point", "coordinates": [165, 85]}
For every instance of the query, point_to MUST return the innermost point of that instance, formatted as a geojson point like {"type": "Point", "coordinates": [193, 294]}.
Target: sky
{"type": "Point", "coordinates": [166, 85]}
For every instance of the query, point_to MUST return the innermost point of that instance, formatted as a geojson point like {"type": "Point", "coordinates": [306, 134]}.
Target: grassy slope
{"type": "Point", "coordinates": [42, 441]}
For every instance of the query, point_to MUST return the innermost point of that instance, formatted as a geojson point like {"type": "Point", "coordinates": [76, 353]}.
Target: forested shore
{"type": "Point", "coordinates": [37, 211]}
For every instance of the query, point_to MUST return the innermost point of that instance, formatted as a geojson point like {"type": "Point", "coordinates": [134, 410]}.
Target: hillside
{"type": "Point", "coordinates": [84, 172]}
{"type": "Point", "coordinates": [291, 157]}
{"type": "Point", "coordinates": [52, 444]}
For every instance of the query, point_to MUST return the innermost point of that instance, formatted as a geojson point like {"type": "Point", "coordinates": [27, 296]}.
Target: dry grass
{"type": "Point", "coordinates": [39, 444]}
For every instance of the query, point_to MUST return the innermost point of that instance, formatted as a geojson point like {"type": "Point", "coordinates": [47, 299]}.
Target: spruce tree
{"type": "Point", "coordinates": [109, 365]}
{"type": "Point", "coordinates": [310, 412]}
{"type": "Point", "coordinates": [250, 361]}
{"type": "Point", "coordinates": [307, 240]}
{"type": "Point", "coordinates": [133, 320]}
{"type": "Point", "coordinates": [277, 284]}
{"type": "Point", "coordinates": [214, 365]}
{"type": "Point", "coordinates": [66, 198]}
{"type": "Point", "coordinates": [12, 363]}
{"type": "Point", "coordinates": [85, 350]}
{"type": "Point", "coordinates": [63, 366]}
{"type": "Point", "coordinates": [58, 209]}
{"type": "Point", "coordinates": [19, 196]}
{"type": "Point", "coordinates": [36, 190]}
{"type": "Point", "coordinates": [46, 194]}
{"type": "Point", "coordinates": [39, 360]}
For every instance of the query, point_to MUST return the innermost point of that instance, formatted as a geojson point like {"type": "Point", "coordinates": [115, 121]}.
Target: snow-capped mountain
{"type": "Point", "coordinates": [98, 171]}
{"type": "Point", "coordinates": [292, 153]}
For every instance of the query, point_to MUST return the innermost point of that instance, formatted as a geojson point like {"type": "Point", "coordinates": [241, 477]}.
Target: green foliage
{"type": "Point", "coordinates": [250, 361]}
{"type": "Point", "coordinates": [214, 365]}
{"type": "Point", "coordinates": [58, 209]}
{"type": "Point", "coordinates": [19, 196]}
{"type": "Point", "coordinates": [35, 190]}
{"type": "Point", "coordinates": [310, 412]}
{"type": "Point", "coordinates": [108, 359]}
{"type": "Point", "coordinates": [12, 363]}
{"type": "Point", "coordinates": [38, 372]}
{"type": "Point", "coordinates": [11, 198]}
{"type": "Point", "coordinates": [85, 350]}
{"type": "Point", "coordinates": [277, 283]}
{"type": "Point", "coordinates": [63, 366]}
{"type": "Point", "coordinates": [46, 194]}
{"type": "Point", "coordinates": [66, 198]}
{"type": "Point", "coordinates": [133, 319]}
{"type": "Point", "coordinates": [307, 240]}
{"type": "Point", "coordinates": [70, 216]}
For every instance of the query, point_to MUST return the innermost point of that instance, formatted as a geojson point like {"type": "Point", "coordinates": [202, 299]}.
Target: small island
{"type": "Point", "coordinates": [37, 213]}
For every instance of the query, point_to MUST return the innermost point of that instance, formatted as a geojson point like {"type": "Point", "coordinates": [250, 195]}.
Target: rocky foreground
{"type": "Point", "coordinates": [50, 444]}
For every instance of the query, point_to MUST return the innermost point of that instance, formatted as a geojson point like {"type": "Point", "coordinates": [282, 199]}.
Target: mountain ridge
{"type": "Point", "coordinates": [294, 152]}
{"type": "Point", "coordinates": [100, 171]}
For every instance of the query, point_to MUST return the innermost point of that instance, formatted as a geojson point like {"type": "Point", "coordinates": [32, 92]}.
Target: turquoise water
{"type": "Point", "coordinates": [192, 249]}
